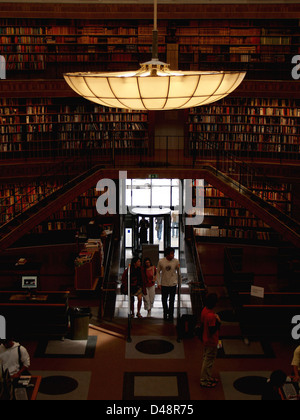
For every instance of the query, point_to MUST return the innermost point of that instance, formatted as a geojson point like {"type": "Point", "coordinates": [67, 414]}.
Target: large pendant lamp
{"type": "Point", "coordinates": [155, 86]}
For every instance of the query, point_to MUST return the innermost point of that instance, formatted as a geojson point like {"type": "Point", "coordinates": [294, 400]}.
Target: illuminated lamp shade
{"type": "Point", "coordinates": [155, 87]}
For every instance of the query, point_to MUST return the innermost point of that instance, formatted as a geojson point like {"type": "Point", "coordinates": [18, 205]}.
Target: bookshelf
{"type": "Point", "coordinates": [254, 127]}
{"type": "Point", "coordinates": [57, 46]}
{"type": "Point", "coordinates": [39, 50]}
{"type": "Point", "coordinates": [52, 126]}
{"type": "Point", "coordinates": [53, 46]}
{"type": "Point", "coordinates": [72, 216]}
{"type": "Point", "coordinates": [251, 44]}
{"type": "Point", "coordinates": [227, 221]}
{"type": "Point", "coordinates": [16, 198]}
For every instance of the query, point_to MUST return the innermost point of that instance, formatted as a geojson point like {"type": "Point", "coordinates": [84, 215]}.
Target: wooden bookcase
{"type": "Point", "coordinates": [254, 127]}
{"type": "Point", "coordinates": [55, 46]}
{"type": "Point", "coordinates": [49, 47]}
{"type": "Point", "coordinates": [60, 38]}
{"type": "Point", "coordinates": [227, 221]}
{"type": "Point", "coordinates": [16, 198]}
{"type": "Point", "coordinates": [74, 215]}
{"type": "Point", "coordinates": [49, 126]}
{"type": "Point", "coordinates": [260, 46]}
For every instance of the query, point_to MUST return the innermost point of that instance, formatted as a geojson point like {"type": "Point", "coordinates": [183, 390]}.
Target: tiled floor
{"type": "Point", "coordinates": [105, 374]}
{"type": "Point", "coordinates": [120, 371]}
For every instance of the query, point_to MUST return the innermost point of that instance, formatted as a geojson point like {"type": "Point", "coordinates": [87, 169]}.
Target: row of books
{"type": "Point", "coordinates": [21, 30]}
{"type": "Point", "coordinates": [66, 30]}
{"type": "Point", "coordinates": [284, 111]}
{"type": "Point", "coordinates": [54, 108]}
{"type": "Point", "coordinates": [234, 233]}
{"type": "Point", "coordinates": [217, 49]}
{"type": "Point", "coordinates": [27, 66]}
{"type": "Point", "coordinates": [204, 39]}
{"type": "Point", "coordinates": [24, 49]}
{"type": "Point", "coordinates": [265, 192]}
{"type": "Point", "coordinates": [228, 212]}
{"type": "Point", "coordinates": [246, 119]}
{"type": "Point", "coordinates": [38, 144]}
{"type": "Point", "coordinates": [239, 56]}
{"type": "Point", "coordinates": [210, 191]}
{"type": "Point", "coordinates": [220, 30]}
{"type": "Point", "coordinates": [279, 195]}
{"type": "Point", "coordinates": [108, 126]}
{"type": "Point", "coordinates": [225, 203]}
{"type": "Point", "coordinates": [103, 139]}
{"type": "Point", "coordinates": [87, 39]}
{"type": "Point", "coordinates": [245, 128]}
{"type": "Point", "coordinates": [254, 102]}
{"type": "Point", "coordinates": [248, 143]}
{"type": "Point", "coordinates": [27, 190]}
{"type": "Point", "coordinates": [5, 129]}
{"type": "Point", "coordinates": [105, 144]}
{"type": "Point", "coordinates": [10, 120]}
{"type": "Point", "coordinates": [102, 118]}
{"type": "Point", "coordinates": [64, 113]}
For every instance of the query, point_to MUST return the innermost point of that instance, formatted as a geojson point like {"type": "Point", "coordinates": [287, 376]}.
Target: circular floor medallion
{"type": "Point", "coordinates": [155, 347]}
{"type": "Point", "coordinates": [57, 385]}
{"type": "Point", "coordinates": [250, 385]}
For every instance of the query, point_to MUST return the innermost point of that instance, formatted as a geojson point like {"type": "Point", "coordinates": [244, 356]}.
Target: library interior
{"type": "Point", "coordinates": [90, 185]}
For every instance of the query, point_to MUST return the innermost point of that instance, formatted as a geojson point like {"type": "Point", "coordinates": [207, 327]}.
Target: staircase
{"type": "Point", "coordinates": [21, 224]}
{"type": "Point", "coordinates": [279, 221]}
{"type": "Point", "coordinates": [11, 231]}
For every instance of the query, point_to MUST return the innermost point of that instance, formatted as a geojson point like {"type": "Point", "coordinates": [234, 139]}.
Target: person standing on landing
{"type": "Point", "coordinates": [168, 270]}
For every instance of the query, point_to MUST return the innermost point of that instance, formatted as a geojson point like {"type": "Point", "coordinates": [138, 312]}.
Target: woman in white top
{"type": "Point", "coordinates": [14, 357]}
{"type": "Point", "coordinates": [149, 274]}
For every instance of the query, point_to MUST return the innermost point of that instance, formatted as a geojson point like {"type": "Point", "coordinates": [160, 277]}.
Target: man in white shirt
{"type": "Point", "coordinates": [14, 357]}
{"type": "Point", "coordinates": [296, 364]}
{"type": "Point", "coordinates": [168, 270]}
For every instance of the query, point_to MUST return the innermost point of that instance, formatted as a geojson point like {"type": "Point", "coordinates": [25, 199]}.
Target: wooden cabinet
{"type": "Point", "coordinates": [42, 314]}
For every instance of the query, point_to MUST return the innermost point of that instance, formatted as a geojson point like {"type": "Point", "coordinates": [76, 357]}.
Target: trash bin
{"type": "Point", "coordinates": [80, 320]}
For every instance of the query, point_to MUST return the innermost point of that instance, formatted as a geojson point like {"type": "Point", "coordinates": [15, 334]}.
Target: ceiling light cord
{"type": "Point", "coordinates": [155, 34]}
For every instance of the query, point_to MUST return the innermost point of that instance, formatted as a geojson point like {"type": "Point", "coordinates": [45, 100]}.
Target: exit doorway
{"type": "Point", "coordinates": [154, 215]}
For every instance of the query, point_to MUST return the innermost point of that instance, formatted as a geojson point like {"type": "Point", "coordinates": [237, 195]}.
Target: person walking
{"type": "Point", "coordinates": [149, 272]}
{"type": "Point", "coordinates": [143, 232]}
{"type": "Point", "coordinates": [175, 224]}
{"type": "Point", "coordinates": [168, 270]}
{"type": "Point", "coordinates": [211, 326]}
{"type": "Point", "coordinates": [137, 287]}
{"type": "Point", "coordinates": [158, 227]}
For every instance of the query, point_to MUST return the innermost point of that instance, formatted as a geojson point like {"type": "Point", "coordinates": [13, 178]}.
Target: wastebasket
{"type": "Point", "coordinates": [80, 320]}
